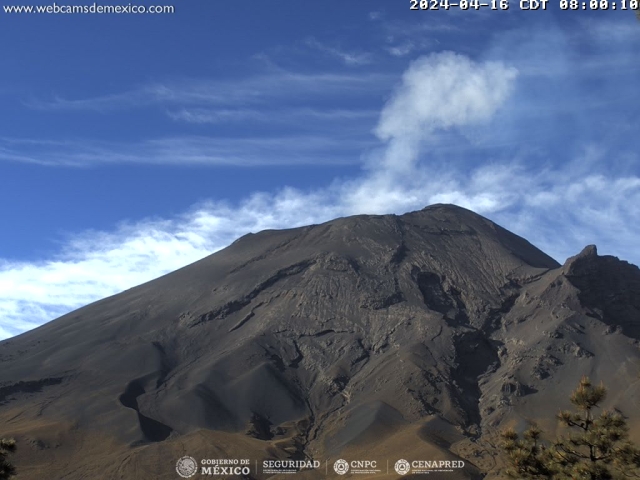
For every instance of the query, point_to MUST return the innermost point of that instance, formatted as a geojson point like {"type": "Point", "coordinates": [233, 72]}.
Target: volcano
{"type": "Point", "coordinates": [366, 339]}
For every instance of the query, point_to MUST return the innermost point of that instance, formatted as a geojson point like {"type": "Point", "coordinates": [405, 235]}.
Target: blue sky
{"type": "Point", "coordinates": [131, 145]}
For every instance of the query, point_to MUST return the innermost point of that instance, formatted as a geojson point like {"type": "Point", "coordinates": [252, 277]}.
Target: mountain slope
{"type": "Point", "coordinates": [433, 328]}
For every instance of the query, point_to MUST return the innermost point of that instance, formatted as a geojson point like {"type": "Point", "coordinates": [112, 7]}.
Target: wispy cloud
{"type": "Point", "coordinates": [262, 89]}
{"type": "Point", "coordinates": [401, 39]}
{"type": "Point", "coordinates": [300, 149]}
{"type": "Point", "coordinates": [316, 111]}
{"type": "Point", "coordinates": [349, 58]}
{"type": "Point", "coordinates": [292, 116]}
{"type": "Point", "coordinates": [401, 49]}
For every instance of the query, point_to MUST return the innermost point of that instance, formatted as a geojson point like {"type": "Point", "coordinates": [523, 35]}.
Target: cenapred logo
{"type": "Point", "coordinates": [341, 466]}
{"type": "Point", "coordinates": [402, 467]}
{"type": "Point", "coordinates": [187, 467]}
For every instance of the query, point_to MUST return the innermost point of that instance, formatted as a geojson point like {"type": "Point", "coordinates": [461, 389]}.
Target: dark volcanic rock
{"type": "Point", "coordinates": [428, 331]}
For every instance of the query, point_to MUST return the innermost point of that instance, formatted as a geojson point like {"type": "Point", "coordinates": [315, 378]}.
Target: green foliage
{"type": "Point", "coordinates": [528, 456]}
{"type": "Point", "coordinates": [6, 469]}
{"type": "Point", "coordinates": [596, 447]}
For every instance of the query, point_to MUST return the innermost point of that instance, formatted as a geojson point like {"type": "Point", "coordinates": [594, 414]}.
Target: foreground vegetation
{"type": "Point", "coordinates": [595, 447]}
{"type": "Point", "coordinates": [7, 470]}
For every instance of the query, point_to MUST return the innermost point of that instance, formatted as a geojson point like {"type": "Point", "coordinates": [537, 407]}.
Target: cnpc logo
{"type": "Point", "coordinates": [342, 467]}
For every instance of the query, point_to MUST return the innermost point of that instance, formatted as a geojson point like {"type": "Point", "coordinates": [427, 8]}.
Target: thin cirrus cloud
{"type": "Point", "coordinates": [343, 148]}
{"type": "Point", "coordinates": [291, 116]}
{"type": "Point", "coordinates": [319, 133]}
{"type": "Point", "coordinates": [558, 206]}
{"type": "Point", "coordinates": [402, 49]}
{"type": "Point", "coordinates": [263, 89]}
{"type": "Point", "coordinates": [349, 58]}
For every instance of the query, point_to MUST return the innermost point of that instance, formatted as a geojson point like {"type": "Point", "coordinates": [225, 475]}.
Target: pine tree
{"type": "Point", "coordinates": [596, 448]}
{"type": "Point", "coordinates": [528, 456]}
{"type": "Point", "coordinates": [6, 469]}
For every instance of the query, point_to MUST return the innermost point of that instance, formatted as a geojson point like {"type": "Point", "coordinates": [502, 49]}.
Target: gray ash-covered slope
{"type": "Point", "coordinates": [416, 334]}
